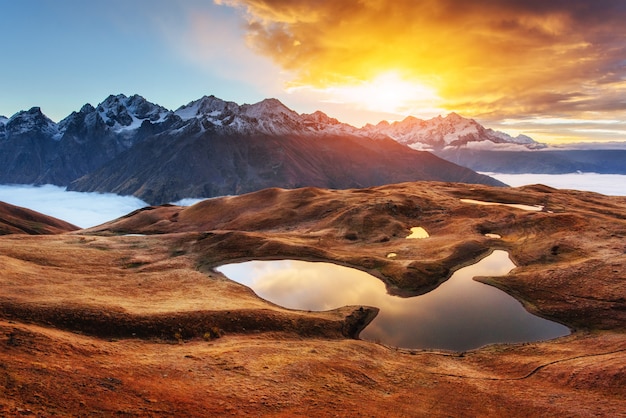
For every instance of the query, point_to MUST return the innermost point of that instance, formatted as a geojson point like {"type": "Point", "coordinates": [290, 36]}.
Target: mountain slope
{"type": "Point", "coordinates": [166, 168]}
{"type": "Point", "coordinates": [35, 150]}
{"type": "Point", "coordinates": [18, 220]}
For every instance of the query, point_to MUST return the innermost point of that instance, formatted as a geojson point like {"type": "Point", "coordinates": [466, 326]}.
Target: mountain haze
{"type": "Point", "coordinates": [447, 132]}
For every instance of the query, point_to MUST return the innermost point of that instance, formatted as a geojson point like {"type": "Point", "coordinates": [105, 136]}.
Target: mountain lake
{"type": "Point", "coordinates": [460, 314]}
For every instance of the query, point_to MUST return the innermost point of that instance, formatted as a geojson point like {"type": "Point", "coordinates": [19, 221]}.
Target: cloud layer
{"type": "Point", "coordinates": [486, 58]}
{"type": "Point", "coordinates": [81, 209]}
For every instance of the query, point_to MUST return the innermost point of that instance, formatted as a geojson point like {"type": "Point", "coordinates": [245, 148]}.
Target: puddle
{"type": "Point", "coordinates": [418, 233]}
{"type": "Point", "coordinates": [459, 315]}
{"type": "Point", "coordinates": [533, 208]}
{"type": "Point", "coordinates": [493, 236]}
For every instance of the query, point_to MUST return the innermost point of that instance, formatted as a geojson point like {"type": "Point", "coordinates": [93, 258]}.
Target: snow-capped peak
{"type": "Point", "coordinates": [123, 113]}
{"type": "Point", "coordinates": [319, 117]}
{"type": "Point", "coordinates": [87, 108]}
{"type": "Point", "coordinates": [206, 106]}
{"type": "Point", "coordinates": [440, 132]}
{"type": "Point", "coordinates": [267, 108]}
{"type": "Point", "coordinates": [269, 116]}
{"type": "Point", "coordinates": [32, 121]}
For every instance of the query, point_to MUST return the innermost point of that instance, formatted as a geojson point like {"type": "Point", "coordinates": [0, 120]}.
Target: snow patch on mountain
{"type": "Point", "coordinates": [267, 109]}
{"type": "Point", "coordinates": [209, 107]}
{"type": "Point", "coordinates": [31, 121]}
{"type": "Point", "coordinates": [123, 113]}
{"type": "Point", "coordinates": [443, 132]}
{"type": "Point", "coordinates": [3, 130]}
{"type": "Point", "coordinates": [269, 116]}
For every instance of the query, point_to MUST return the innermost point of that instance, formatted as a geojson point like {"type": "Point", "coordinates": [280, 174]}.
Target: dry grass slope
{"type": "Point", "coordinates": [95, 322]}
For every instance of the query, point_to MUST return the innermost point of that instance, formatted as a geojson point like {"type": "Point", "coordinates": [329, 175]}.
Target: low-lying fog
{"type": "Point", "coordinates": [608, 184]}
{"type": "Point", "coordinates": [90, 209]}
{"type": "Point", "coordinates": [81, 209]}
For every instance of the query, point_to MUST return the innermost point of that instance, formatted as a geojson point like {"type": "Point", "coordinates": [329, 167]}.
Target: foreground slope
{"type": "Point", "coordinates": [101, 322]}
{"type": "Point", "coordinates": [18, 220]}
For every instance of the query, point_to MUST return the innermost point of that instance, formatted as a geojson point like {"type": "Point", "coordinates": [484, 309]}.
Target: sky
{"type": "Point", "coordinates": [554, 70]}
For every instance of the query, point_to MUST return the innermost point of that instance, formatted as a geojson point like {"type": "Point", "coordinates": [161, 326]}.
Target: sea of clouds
{"type": "Point", "coordinates": [81, 209]}
{"type": "Point", "coordinates": [91, 209]}
{"type": "Point", "coordinates": [608, 184]}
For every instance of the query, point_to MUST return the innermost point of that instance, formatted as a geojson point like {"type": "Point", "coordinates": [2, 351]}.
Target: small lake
{"type": "Point", "coordinates": [460, 314]}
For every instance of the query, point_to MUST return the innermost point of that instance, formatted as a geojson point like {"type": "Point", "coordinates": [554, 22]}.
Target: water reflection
{"type": "Point", "coordinates": [532, 208]}
{"type": "Point", "coordinates": [460, 314]}
{"type": "Point", "coordinates": [418, 233]}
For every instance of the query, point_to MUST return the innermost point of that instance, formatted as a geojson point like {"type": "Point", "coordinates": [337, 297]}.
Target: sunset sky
{"type": "Point", "coordinates": [554, 70]}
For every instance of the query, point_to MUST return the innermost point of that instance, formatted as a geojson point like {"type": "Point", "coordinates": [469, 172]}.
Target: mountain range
{"type": "Point", "coordinates": [211, 147]}
{"type": "Point", "coordinates": [452, 131]}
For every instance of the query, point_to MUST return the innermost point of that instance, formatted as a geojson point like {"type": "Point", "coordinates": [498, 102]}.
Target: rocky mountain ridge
{"type": "Point", "coordinates": [451, 131]}
{"type": "Point", "coordinates": [206, 148]}
{"type": "Point", "coordinates": [122, 114]}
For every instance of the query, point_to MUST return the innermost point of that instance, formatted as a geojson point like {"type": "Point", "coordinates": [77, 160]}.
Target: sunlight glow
{"type": "Point", "coordinates": [388, 92]}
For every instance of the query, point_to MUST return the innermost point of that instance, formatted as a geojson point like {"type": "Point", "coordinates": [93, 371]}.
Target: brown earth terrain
{"type": "Point", "coordinates": [18, 220]}
{"type": "Point", "coordinates": [131, 319]}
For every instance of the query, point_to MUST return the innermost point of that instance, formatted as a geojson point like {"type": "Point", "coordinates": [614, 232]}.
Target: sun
{"type": "Point", "coordinates": [388, 93]}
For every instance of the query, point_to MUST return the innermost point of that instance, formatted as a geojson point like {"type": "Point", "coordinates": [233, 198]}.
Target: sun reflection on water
{"type": "Point", "coordinates": [460, 314]}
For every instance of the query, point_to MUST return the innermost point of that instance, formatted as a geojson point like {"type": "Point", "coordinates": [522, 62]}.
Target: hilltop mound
{"type": "Point", "coordinates": [18, 220]}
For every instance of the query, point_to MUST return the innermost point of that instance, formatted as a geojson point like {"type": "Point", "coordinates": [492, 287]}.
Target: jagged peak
{"type": "Point", "coordinates": [116, 97]}
{"type": "Point", "coordinates": [122, 113]}
{"type": "Point", "coordinates": [132, 102]}
{"type": "Point", "coordinates": [204, 106]}
{"type": "Point", "coordinates": [126, 101]}
{"type": "Point", "coordinates": [320, 117]}
{"type": "Point", "coordinates": [412, 119]}
{"type": "Point", "coordinates": [32, 113]}
{"type": "Point", "coordinates": [32, 120]}
{"type": "Point", "coordinates": [266, 107]}
{"type": "Point", "coordinates": [111, 101]}
{"type": "Point", "coordinates": [455, 118]}
{"type": "Point", "coordinates": [409, 120]}
{"type": "Point", "coordinates": [34, 110]}
{"type": "Point", "coordinates": [87, 108]}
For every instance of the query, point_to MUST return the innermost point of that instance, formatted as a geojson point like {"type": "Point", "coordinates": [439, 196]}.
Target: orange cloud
{"type": "Point", "coordinates": [493, 58]}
